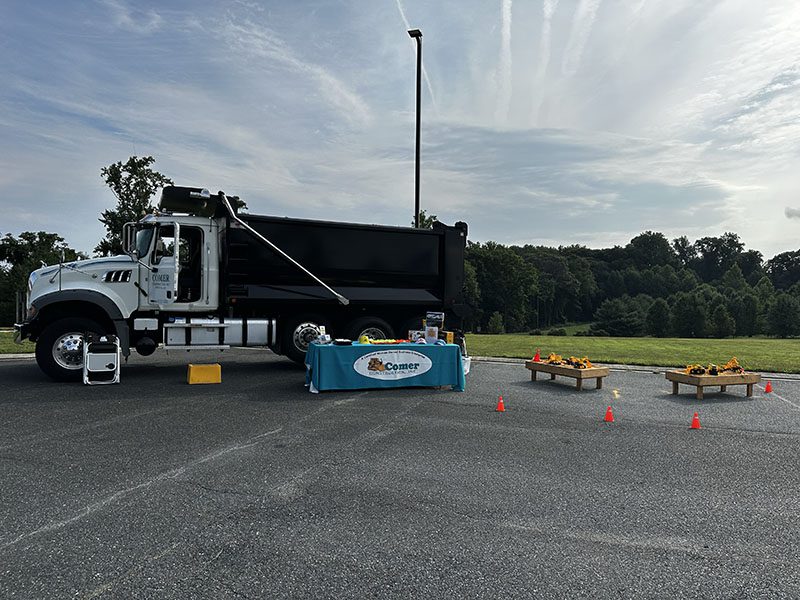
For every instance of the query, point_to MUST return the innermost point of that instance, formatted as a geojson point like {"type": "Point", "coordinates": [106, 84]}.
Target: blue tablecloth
{"type": "Point", "coordinates": [330, 367]}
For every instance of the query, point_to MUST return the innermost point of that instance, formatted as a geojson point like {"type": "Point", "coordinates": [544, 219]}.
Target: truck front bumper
{"type": "Point", "coordinates": [22, 331]}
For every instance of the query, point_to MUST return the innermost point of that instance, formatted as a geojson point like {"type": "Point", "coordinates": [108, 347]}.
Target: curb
{"type": "Point", "coordinates": [17, 356]}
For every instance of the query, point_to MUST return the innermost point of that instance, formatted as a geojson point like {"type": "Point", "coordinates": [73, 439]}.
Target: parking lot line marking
{"type": "Point", "coordinates": [56, 434]}
{"type": "Point", "coordinates": [789, 402]}
{"type": "Point", "coordinates": [166, 475]}
{"type": "Point", "coordinates": [294, 480]}
{"type": "Point", "coordinates": [171, 474]}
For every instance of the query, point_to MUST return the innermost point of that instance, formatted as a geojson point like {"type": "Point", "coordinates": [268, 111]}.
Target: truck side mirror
{"type": "Point", "coordinates": [129, 239]}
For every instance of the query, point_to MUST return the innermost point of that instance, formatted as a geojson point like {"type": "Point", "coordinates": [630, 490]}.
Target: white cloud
{"type": "Point", "coordinates": [581, 29]}
{"type": "Point", "coordinates": [135, 20]}
{"type": "Point", "coordinates": [679, 117]}
{"type": "Point", "coordinates": [258, 42]}
{"type": "Point", "coordinates": [548, 9]}
{"type": "Point", "coordinates": [504, 66]}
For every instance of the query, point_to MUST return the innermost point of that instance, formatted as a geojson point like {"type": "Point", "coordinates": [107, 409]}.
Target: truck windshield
{"type": "Point", "coordinates": [143, 239]}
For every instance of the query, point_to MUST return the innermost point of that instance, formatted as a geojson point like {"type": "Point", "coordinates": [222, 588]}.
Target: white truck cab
{"type": "Point", "coordinates": [173, 267]}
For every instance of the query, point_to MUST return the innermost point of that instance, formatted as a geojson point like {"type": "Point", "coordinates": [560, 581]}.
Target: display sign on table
{"type": "Point", "coordinates": [364, 366]}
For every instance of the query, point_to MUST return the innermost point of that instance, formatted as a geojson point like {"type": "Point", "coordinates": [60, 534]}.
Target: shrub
{"type": "Point", "coordinates": [620, 317]}
{"type": "Point", "coordinates": [784, 316]}
{"type": "Point", "coordinates": [657, 321]}
{"type": "Point", "coordinates": [722, 323]}
{"type": "Point", "coordinates": [689, 315]}
{"type": "Point", "coordinates": [495, 324]}
{"type": "Point", "coordinates": [558, 331]}
{"type": "Point", "coordinates": [536, 332]}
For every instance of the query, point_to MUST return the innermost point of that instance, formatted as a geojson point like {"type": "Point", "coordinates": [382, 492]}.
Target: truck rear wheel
{"type": "Point", "coordinates": [299, 333]}
{"type": "Point", "coordinates": [59, 349]}
{"type": "Point", "coordinates": [373, 327]}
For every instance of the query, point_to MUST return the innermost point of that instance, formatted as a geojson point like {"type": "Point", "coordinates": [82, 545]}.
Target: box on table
{"type": "Point", "coordinates": [415, 334]}
{"type": "Point", "coordinates": [447, 336]}
{"type": "Point", "coordinates": [434, 319]}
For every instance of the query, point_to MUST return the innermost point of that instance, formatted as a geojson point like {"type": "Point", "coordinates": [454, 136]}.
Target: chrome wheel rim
{"type": "Point", "coordinates": [68, 351]}
{"type": "Point", "coordinates": [374, 333]}
{"type": "Point", "coordinates": [304, 334]}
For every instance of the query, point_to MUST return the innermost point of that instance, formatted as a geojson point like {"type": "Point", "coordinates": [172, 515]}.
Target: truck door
{"type": "Point", "coordinates": [191, 279]}
{"type": "Point", "coordinates": [165, 260]}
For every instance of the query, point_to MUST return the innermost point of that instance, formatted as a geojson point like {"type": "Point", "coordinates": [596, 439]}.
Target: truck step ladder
{"type": "Point", "coordinates": [101, 359]}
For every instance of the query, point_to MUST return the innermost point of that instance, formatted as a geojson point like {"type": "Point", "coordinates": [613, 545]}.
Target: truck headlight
{"type": "Point", "coordinates": [31, 280]}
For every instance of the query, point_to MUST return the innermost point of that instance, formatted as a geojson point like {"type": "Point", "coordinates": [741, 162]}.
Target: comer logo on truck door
{"type": "Point", "coordinates": [392, 364]}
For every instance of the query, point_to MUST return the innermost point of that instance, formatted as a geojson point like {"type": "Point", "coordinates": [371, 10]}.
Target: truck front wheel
{"type": "Point", "coordinates": [59, 349]}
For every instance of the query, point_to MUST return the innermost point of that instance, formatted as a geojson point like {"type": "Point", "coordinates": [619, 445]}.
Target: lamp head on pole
{"type": "Point", "coordinates": [415, 33]}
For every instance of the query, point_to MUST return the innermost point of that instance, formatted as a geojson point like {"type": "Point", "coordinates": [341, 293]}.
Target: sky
{"type": "Point", "coordinates": [545, 122]}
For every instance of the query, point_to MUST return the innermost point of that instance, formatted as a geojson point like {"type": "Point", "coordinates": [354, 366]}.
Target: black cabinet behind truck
{"type": "Point", "coordinates": [198, 274]}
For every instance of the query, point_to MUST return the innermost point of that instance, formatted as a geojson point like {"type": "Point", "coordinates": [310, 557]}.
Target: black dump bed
{"type": "Point", "coordinates": [365, 263]}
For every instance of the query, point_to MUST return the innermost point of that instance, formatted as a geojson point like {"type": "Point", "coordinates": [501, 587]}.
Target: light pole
{"type": "Point", "coordinates": [417, 35]}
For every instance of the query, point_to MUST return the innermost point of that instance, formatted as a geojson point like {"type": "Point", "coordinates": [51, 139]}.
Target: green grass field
{"type": "Point", "coordinates": [7, 345]}
{"type": "Point", "coordinates": [754, 354]}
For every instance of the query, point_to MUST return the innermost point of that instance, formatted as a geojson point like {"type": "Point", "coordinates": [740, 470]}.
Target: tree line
{"type": "Point", "coordinates": [712, 287]}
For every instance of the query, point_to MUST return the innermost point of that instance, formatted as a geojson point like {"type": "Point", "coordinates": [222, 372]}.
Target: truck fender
{"type": "Point", "coordinates": [102, 302]}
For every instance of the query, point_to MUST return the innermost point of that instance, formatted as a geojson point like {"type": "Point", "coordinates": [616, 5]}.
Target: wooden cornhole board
{"type": "Point", "coordinates": [723, 381]}
{"type": "Point", "coordinates": [577, 374]}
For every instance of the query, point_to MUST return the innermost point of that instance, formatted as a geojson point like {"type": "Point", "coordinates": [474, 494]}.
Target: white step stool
{"type": "Point", "coordinates": [101, 359]}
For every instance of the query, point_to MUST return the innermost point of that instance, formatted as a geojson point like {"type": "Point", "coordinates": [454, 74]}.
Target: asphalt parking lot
{"type": "Point", "coordinates": [256, 488]}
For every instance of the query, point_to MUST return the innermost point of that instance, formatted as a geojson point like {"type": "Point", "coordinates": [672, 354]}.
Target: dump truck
{"type": "Point", "coordinates": [199, 273]}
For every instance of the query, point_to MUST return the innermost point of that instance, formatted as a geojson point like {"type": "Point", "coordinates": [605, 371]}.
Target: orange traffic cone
{"type": "Point", "coordinates": [695, 422]}
{"type": "Point", "coordinates": [536, 357]}
{"type": "Point", "coordinates": [768, 389]}
{"type": "Point", "coordinates": [500, 406]}
{"type": "Point", "coordinates": [609, 418]}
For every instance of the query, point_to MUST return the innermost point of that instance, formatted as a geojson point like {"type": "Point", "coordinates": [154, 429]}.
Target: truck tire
{"type": "Point", "coordinates": [374, 327]}
{"type": "Point", "coordinates": [59, 349]}
{"type": "Point", "coordinates": [299, 333]}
